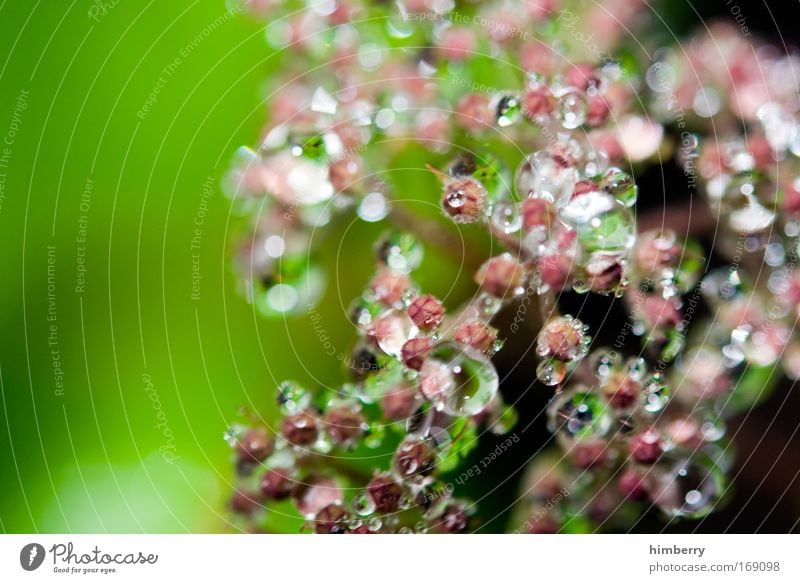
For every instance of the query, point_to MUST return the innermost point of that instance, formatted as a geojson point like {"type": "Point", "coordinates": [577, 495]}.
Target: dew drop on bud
{"type": "Point", "coordinates": [579, 415]}
{"type": "Point", "coordinates": [459, 379]}
{"type": "Point", "coordinates": [621, 186]}
{"type": "Point", "coordinates": [688, 487]}
{"type": "Point", "coordinates": [399, 252]}
{"type": "Point", "coordinates": [551, 372]}
{"type": "Point", "coordinates": [656, 393]}
{"type": "Point", "coordinates": [572, 109]}
{"type": "Point", "coordinates": [292, 397]}
{"type": "Point", "coordinates": [508, 110]}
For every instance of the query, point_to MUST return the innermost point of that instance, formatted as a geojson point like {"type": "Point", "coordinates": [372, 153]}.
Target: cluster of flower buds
{"type": "Point", "coordinates": [627, 446]}
{"type": "Point", "coordinates": [750, 173]}
{"type": "Point", "coordinates": [359, 79]}
{"type": "Point", "coordinates": [422, 385]}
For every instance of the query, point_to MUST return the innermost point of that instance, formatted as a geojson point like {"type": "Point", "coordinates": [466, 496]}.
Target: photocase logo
{"type": "Point", "coordinates": [31, 556]}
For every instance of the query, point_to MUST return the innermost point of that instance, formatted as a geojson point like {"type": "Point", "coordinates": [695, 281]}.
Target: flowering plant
{"type": "Point", "coordinates": [552, 90]}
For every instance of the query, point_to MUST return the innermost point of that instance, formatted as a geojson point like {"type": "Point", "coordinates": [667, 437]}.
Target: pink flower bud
{"type": "Point", "coordinates": [474, 112]}
{"type": "Point", "coordinates": [255, 446]}
{"type": "Point", "coordinates": [501, 276]}
{"type": "Point", "coordinates": [659, 312]}
{"type": "Point", "coordinates": [456, 43]}
{"type": "Point", "coordinates": [389, 286]}
{"type": "Point", "coordinates": [599, 110]}
{"type": "Point", "coordinates": [315, 494]}
{"type": "Point", "coordinates": [331, 520]}
{"type": "Point", "coordinates": [464, 199]}
{"type": "Point", "coordinates": [385, 493]}
{"type": "Point", "coordinates": [343, 425]}
{"type": "Point", "coordinates": [400, 402]}
{"type": "Point", "coordinates": [538, 103]}
{"type": "Point", "coordinates": [562, 338]}
{"type": "Point", "coordinates": [344, 173]}
{"type": "Point", "coordinates": [276, 485]}
{"type": "Point", "coordinates": [603, 273]}
{"type": "Point", "coordinates": [478, 335]}
{"type": "Point", "coordinates": [555, 269]}
{"type": "Point", "coordinates": [426, 312]}
{"type": "Point", "coordinates": [582, 76]}
{"type": "Point", "coordinates": [415, 350]}
{"type": "Point", "coordinates": [646, 447]}
{"type": "Point", "coordinates": [537, 212]}
{"type": "Point", "coordinates": [656, 250]}
{"type": "Point", "coordinates": [631, 485]}
{"type": "Point", "coordinates": [300, 429]}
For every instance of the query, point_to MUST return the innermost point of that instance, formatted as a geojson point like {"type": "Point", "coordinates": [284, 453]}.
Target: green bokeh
{"type": "Point", "coordinates": [89, 460]}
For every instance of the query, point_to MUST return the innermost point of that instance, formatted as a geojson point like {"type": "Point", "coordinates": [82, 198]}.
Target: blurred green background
{"type": "Point", "coordinates": [148, 373]}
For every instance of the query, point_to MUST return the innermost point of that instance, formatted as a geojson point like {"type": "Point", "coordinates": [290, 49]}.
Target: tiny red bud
{"type": "Point", "coordinates": [300, 429]}
{"type": "Point", "coordinates": [414, 457]}
{"type": "Point", "coordinates": [331, 520]}
{"type": "Point", "coordinates": [385, 493]}
{"type": "Point", "coordinates": [621, 390]}
{"type": "Point", "coordinates": [477, 334]}
{"type": "Point", "coordinates": [400, 403]}
{"type": "Point", "coordinates": [538, 103]}
{"type": "Point", "coordinates": [590, 454]}
{"type": "Point", "coordinates": [583, 187]}
{"type": "Point", "coordinates": [255, 446]}
{"type": "Point", "coordinates": [646, 448]}
{"type": "Point", "coordinates": [501, 276]}
{"type": "Point", "coordinates": [453, 519]}
{"type": "Point", "coordinates": [537, 212]}
{"type": "Point", "coordinates": [243, 502]}
{"type": "Point", "coordinates": [464, 199]}
{"type": "Point", "coordinates": [632, 486]}
{"type": "Point", "coordinates": [276, 484]}
{"type": "Point", "coordinates": [543, 525]}
{"type": "Point", "coordinates": [344, 425]}
{"type": "Point", "coordinates": [561, 338]}
{"type": "Point", "coordinates": [415, 350]}
{"type": "Point", "coordinates": [426, 312]}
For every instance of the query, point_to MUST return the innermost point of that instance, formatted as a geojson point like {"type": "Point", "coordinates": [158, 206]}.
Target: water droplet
{"type": "Point", "coordinates": [621, 186]}
{"type": "Point", "coordinates": [578, 415]}
{"type": "Point", "coordinates": [551, 372]}
{"type": "Point", "coordinates": [459, 379]}
{"type": "Point", "coordinates": [506, 217]}
{"type": "Point", "coordinates": [507, 110]}
{"type": "Point", "coordinates": [363, 504]}
{"type": "Point", "coordinates": [688, 487]}
{"type": "Point", "coordinates": [392, 329]}
{"type": "Point", "coordinates": [572, 109]}
{"type": "Point", "coordinates": [293, 397]}
{"type": "Point", "coordinates": [656, 393]}
{"type": "Point", "coordinates": [399, 251]}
